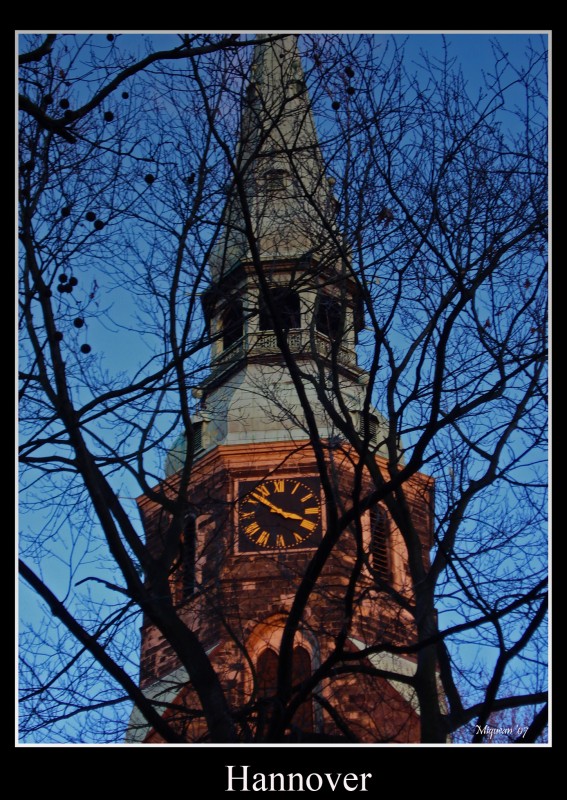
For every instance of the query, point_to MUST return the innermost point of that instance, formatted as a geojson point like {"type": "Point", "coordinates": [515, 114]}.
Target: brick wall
{"type": "Point", "coordinates": [238, 592]}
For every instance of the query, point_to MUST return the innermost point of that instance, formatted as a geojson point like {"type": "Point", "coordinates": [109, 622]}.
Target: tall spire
{"type": "Point", "coordinates": [287, 192]}
{"type": "Point", "coordinates": [277, 123]}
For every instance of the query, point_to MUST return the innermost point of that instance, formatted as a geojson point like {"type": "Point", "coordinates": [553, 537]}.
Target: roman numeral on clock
{"type": "Point", "coordinates": [251, 529]}
{"type": "Point", "coordinates": [263, 538]}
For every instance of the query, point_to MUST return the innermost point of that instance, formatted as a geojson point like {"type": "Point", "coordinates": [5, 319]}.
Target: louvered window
{"type": "Point", "coordinates": [379, 556]}
{"type": "Point", "coordinates": [197, 436]}
{"type": "Point", "coordinates": [369, 427]}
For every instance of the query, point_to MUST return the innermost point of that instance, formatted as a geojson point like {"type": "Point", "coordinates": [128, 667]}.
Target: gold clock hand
{"type": "Point", "coordinates": [274, 508]}
{"type": "Point", "coordinates": [263, 500]}
{"type": "Point", "coordinates": [290, 515]}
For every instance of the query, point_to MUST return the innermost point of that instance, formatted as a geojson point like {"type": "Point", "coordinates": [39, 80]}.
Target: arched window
{"type": "Point", "coordinates": [379, 557]}
{"type": "Point", "coordinates": [303, 718]}
{"type": "Point", "coordinates": [267, 673]}
{"type": "Point", "coordinates": [232, 324]}
{"type": "Point", "coordinates": [286, 301]}
{"type": "Point", "coordinates": [267, 677]}
{"type": "Point", "coordinates": [267, 681]}
{"type": "Point", "coordinates": [328, 318]}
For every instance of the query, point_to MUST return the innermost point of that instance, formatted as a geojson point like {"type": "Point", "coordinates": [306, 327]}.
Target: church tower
{"type": "Point", "coordinates": [274, 483]}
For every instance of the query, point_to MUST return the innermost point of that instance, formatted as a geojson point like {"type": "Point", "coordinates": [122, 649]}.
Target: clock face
{"type": "Point", "coordinates": [279, 514]}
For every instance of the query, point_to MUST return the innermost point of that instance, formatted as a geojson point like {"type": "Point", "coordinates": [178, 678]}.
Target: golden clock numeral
{"type": "Point", "coordinates": [263, 538]}
{"type": "Point", "coordinates": [279, 485]}
{"type": "Point", "coordinates": [307, 523]}
{"type": "Point", "coordinates": [280, 541]}
{"type": "Point", "coordinates": [246, 514]}
{"type": "Point", "coordinates": [311, 510]}
{"type": "Point", "coordinates": [295, 488]}
{"type": "Point", "coordinates": [298, 537]}
{"type": "Point", "coordinates": [251, 529]}
{"type": "Point", "coordinates": [307, 497]}
{"type": "Point", "coordinates": [263, 490]}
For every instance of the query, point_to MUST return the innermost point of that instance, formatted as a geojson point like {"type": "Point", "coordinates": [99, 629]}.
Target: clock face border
{"type": "Point", "coordinates": [279, 514]}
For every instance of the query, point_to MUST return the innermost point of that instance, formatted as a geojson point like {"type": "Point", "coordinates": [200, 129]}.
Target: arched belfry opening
{"type": "Point", "coordinates": [329, 316]}
{"type": "Point", "coordinates": [232, 323]}
{"type": "Point", "coordinates": [283, 303]}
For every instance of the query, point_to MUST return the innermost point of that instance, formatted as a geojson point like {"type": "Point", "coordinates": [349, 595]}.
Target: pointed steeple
{"type": "Point", "coordinates": [287, 191]}
{"type": "Point", "coordinates": [277, 122]}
